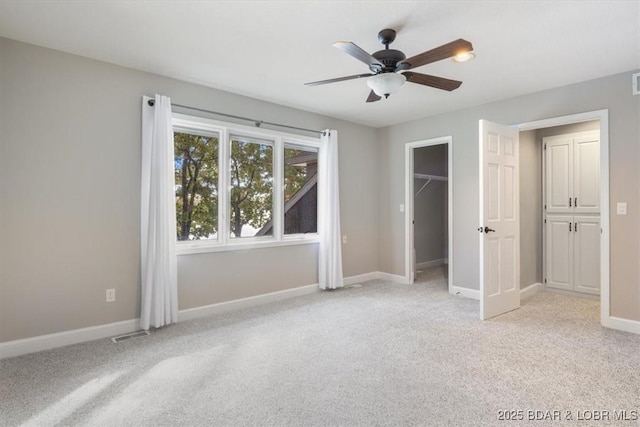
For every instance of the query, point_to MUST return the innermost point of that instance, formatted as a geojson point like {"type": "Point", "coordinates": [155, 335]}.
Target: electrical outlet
{"type": "Point", "coordinates": [621, 208]}
{"type": "Point", "coordinates": [344, 239]}
{"type": "Point", "coordinates": [111, 295]}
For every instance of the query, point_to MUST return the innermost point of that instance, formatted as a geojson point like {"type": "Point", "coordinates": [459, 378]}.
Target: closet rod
{"type": "Point", "coordinates": [258, 123]}
{"type": "Point", "coordinates": [435, 177]}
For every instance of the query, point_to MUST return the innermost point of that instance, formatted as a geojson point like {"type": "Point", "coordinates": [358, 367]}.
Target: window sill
{"type": "Point", "coordinates": [188, 248]}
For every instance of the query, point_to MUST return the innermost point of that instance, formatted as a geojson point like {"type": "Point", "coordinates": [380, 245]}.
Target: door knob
{"type": "Point", "coordinates": [488, 230]}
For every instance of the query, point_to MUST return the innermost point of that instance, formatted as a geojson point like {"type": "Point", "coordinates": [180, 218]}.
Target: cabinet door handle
{"type": "Point", "coordinates": [575, 202]}
{"type": "Point", "coordinates": [569, 226]}
{"type": "Point", "coordinates": [569, 201]}
{"type": "Point", "coordinates": [575, 227]}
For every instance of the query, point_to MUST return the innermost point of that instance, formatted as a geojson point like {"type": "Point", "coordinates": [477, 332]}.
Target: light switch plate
{"type": "Point", "coordinates": [401, 207]}
{"type": "Point", "coordinates": [621, 208]}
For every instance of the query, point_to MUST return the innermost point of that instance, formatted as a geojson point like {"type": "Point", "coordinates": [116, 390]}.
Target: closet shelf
{"type": "Point", "coordinates": [429, 178]}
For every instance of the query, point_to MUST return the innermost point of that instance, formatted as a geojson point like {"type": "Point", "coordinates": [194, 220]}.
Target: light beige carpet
{"type": "Point", "coordinates": [380, 354]}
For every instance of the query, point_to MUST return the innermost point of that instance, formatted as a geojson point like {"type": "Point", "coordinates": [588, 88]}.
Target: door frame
{"type": "Point", "coordinates": [602, 115]}
{"type": "Point", "coordinates": [409, 205]}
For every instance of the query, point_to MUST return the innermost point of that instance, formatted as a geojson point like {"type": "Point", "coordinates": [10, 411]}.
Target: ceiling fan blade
{"type": "Point", "coordinates": [338, 79]}
{"type": "Point", "coordinates": [373, 97]}
{"type": "Point", "coordinates": [433, 81]}
{"type": "Point", "coordinates": [438, 54]}
{"type": "Point", "coordinates": [354, 50]}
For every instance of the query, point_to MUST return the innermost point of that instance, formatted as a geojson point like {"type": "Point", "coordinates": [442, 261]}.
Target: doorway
{"type": "Point", "coordinates": [601, 116]}
{"type": "Point", "coordinates": [429, 207]}
{"type": "Point", "coordinates": [560, 221]}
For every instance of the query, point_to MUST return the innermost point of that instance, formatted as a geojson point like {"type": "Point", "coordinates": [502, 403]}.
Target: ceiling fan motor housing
{"type": "Point", "coordinates": [389, 58]}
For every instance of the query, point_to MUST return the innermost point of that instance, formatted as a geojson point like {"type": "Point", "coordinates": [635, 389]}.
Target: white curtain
{"type": "Point", "coordinates": [330, 256]}
{"type": "Point", "coordinates": [159, 305]}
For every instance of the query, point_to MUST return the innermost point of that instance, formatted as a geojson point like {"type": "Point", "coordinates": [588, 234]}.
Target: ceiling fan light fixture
{"type": "Point", "coordinates": [384, 84]}
{"type": "Point", "coordinates": [464, 56]}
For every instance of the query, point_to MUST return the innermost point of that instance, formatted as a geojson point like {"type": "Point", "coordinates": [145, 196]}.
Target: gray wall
{"type": "Point", "coordinates": [530, 209]}
{"type": "Point", "coordinates": [430, 206]}
{"type": "Point", "coordinates": [612, 93]}
{"type": "Point", "coordinates": [70, 176]}
{"type": "Point", "coordinates": [70, 197]}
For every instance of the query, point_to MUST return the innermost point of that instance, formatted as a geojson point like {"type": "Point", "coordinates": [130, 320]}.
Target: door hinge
{"type": "Point", "coordinates": [545, 146]}
{"type": "Point", "coordinates": [545, 280]}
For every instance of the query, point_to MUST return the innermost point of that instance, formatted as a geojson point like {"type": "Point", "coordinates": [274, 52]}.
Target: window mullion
{"type": "Point", "coordinates": [224, 186]}
{"type": "Point", "coordinates": [278, 189]}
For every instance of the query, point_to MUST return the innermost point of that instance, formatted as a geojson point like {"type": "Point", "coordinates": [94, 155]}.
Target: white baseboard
{"type": "Point", "coordinates": [620, 324]}
{"type": "Point", "coordinates": [224, 307]}
{"type": "Point", "coordinates": [60, 339]}
{"type": "Point", "coordinates": [361, 278]}
{"type": "Point", "coordinates": [400, 280]}
{"type": "Point", "coordinates": [465, 292]}
{"type": "Point", "coordinates": [432, 263]}
{"type": "Point", "coordinates": [75, 336]}
{"type": "Point", "coordinates": [530, 290]}
{"type": "Point", "coordinates": [46, 342]}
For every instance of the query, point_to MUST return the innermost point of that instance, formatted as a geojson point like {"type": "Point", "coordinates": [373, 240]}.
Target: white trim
{"type": "Point", "coordinates": [394, 278]}
{"type": "Point", "coordinates": [603, 116]}
{"type": "Point", "coordinates": [432, 263]}
{"type": "Point", "coordinates": [60, 339]}
{"type": "Point", "coordinates": [352, 280]}
{"type": "Point", "coordinates": [409, 209]}
{"type": "Point", "coordinates": [226, 306]}
{"type": "Point", "coordinates": [465, 292]}
{"type": "Point", "coordinates": [200, 246]}
{"type": "Point", "coordinates": [75, 336]}
{"type": "Point", "coordinates": [531, 290]}
{"type": "Point", "coordinates": [620, 324]}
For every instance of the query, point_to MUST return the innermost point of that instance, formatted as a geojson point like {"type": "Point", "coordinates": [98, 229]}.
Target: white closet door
{"type": "Point", "coordinates": [586, 243]}
{"type": "Point", "coordinates": [586, 181]}
{"type": "Point", "coordinates": [559, 173]}
{"type": "Point", "coordinates": [559, 251]}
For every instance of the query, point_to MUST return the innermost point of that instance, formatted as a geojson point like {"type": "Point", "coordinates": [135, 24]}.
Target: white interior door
{"type": "Point", "coordinates": [499, 220]}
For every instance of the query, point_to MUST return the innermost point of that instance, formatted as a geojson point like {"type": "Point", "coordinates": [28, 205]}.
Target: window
{"type": "Point", "coordinates": [300, 189]}
{"type": "Point", "coordinates": [196, 184]}
{"type": "Point", "coordinates": [238, 187]}
{"type": "Point", "coordinates": [251, 176]}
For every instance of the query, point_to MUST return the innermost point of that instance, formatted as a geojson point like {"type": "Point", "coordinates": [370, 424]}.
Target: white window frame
{"type": "Point", "coordinates": [224, 242]}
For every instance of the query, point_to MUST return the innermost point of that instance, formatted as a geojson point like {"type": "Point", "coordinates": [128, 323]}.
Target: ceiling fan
{"type": "Point", "coordinates": [389, 66]}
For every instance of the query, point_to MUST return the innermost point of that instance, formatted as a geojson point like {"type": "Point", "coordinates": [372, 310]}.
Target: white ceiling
{"type": "Point", "coordinates": [269, 49]}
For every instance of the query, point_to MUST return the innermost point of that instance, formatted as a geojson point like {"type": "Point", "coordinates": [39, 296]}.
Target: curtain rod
{"type": "Point", "coordinates": [258, 123]}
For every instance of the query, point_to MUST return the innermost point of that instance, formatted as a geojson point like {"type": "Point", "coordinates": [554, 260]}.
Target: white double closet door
{"type": "Point", "coordinates": [572, 212]}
